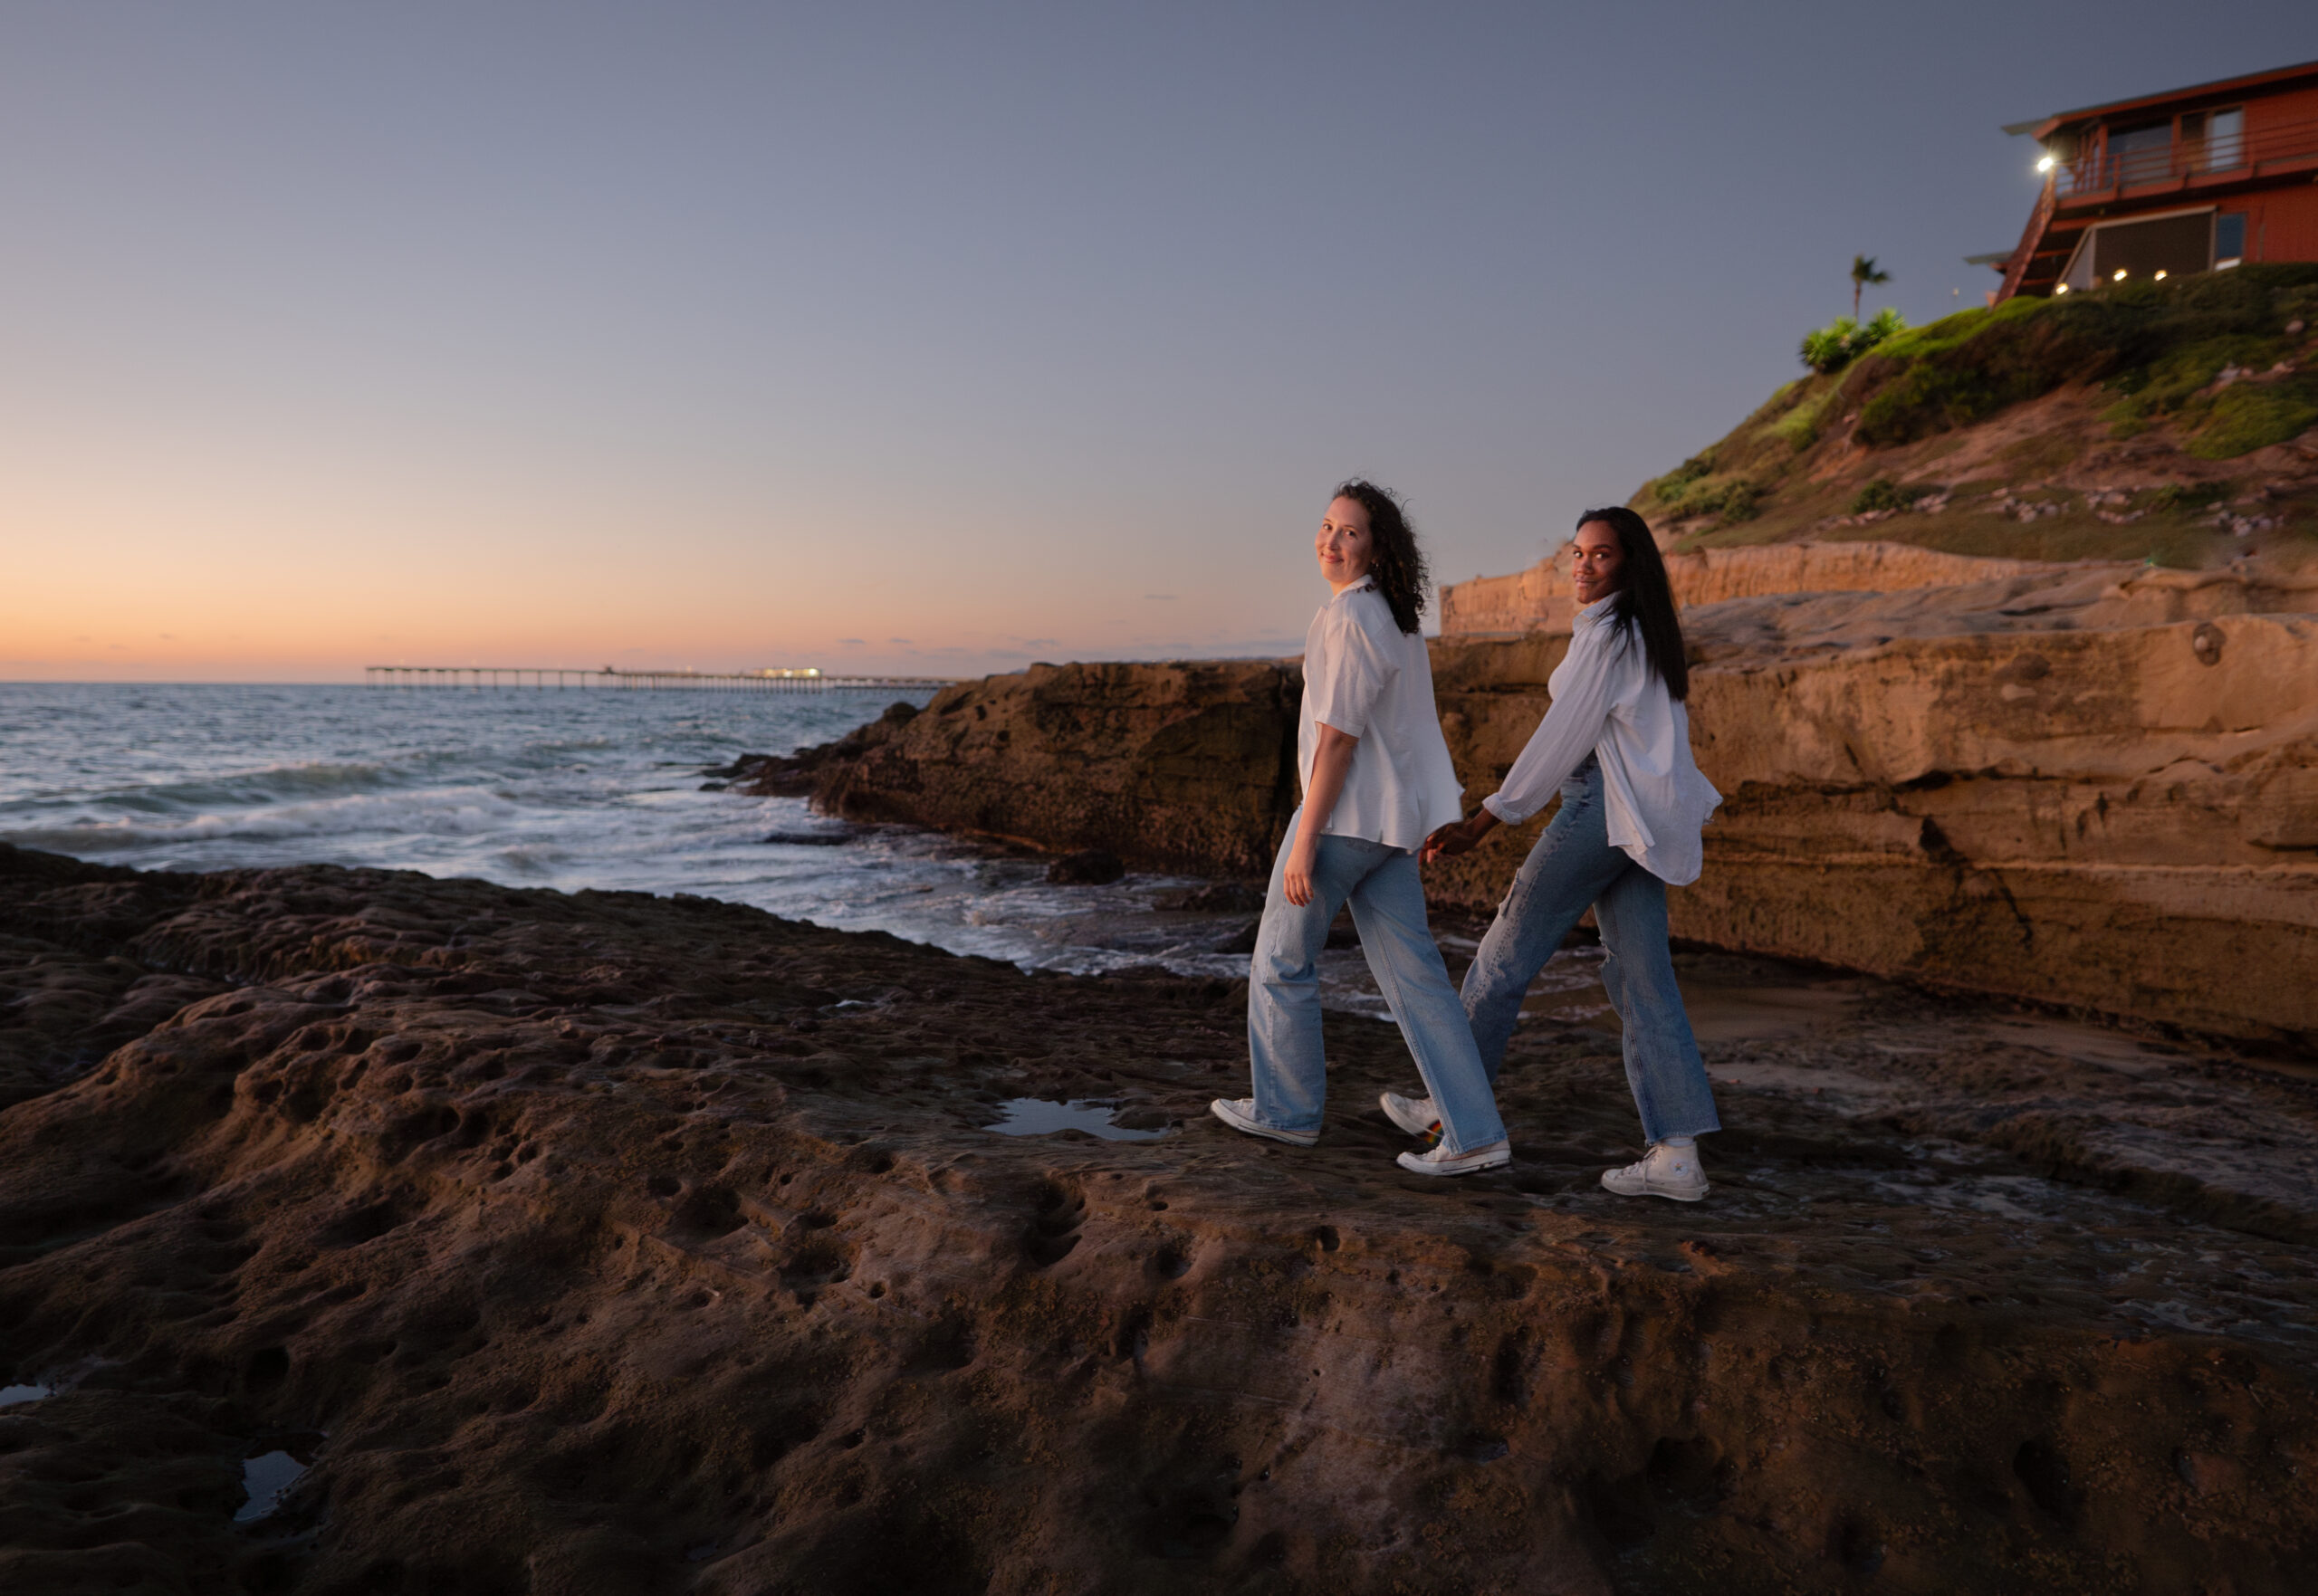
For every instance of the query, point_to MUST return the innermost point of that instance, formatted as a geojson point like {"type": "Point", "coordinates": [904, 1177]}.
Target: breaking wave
{"type": "Point", "coordinates": [568, 790]}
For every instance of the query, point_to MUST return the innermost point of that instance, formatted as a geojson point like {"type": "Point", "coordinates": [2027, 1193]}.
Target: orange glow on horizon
{"type": "Point", "coordinates": [299, 597]}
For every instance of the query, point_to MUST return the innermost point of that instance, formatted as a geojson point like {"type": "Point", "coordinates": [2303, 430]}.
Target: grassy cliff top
{"type": "Point", "coordinates": [2174, 421]}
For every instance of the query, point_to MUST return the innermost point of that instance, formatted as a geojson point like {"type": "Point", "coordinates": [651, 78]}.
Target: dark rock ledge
{"type": "Point", "coordinates": [613, 1243]}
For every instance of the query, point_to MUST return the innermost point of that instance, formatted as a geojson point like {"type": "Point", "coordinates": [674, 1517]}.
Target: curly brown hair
{"type": "Point", "coordinates": [1395, 564]}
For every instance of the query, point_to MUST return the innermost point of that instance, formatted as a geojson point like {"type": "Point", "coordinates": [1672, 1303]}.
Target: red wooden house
{"type": "Point", "coordinates": [2194, 179]}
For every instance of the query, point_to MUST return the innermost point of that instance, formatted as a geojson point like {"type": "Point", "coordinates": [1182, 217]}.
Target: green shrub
{"type": "Point", "coordinates": [2171, 382]}
{"type": "Point", "coordinates": [1828, 349]}
{"type": "Point", "coordinates": [2000, 365]}
{"type": "Point", "coordinates": [1691, 489]}
{"type": "Point", "coordinates": [2250, 415]}
{"type": "Point", "coordinates": [1676, 481]}
{"type": "Point", "coordinates": [1843, 341]}
{"type": "Point", "coordinates": [1946, 333]}
{"type": "Point", "coordinates": [1965, 368]}
{"type": "Point", "coordinates": [1672, 490]}
{"type": "Point", "coordinates": [1883, 493]}
{"type": "Point", "coordinates": [2157, 346]}
{"type": "Point", "coordinates": [1799, 427]}
{"type": "Point", "coordinates": [1733, 501]}
{"type": "Point", "coordinates": [2141, 321]}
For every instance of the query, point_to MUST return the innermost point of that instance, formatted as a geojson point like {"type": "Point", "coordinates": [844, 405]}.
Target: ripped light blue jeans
{"type": "Point", "coordinates": [1284, 1048]}
{"type": "Point", "coordinates": [1573, 867]}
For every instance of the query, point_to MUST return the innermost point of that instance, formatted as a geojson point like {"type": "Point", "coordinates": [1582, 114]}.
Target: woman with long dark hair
{"type": "Point", "coordinates": [1377, 781]}
{"type": "Point", "coordinates": [1615, 742]}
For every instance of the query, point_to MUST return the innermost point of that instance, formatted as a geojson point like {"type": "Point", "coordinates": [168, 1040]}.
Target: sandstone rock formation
{"type": "Point", "coordinates": [622, 1244]}
{"type": "Point", "coordinates": [1538, 599]}
{"type": "Point", "coordinates": [1181, 765]}
{"type": "Point", "coordinates": [2009, 788]}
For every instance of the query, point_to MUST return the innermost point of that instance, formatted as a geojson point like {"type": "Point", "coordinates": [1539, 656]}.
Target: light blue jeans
{"type": "Point", "coordinates": [1572, 866]}
{"type": "Point", "coordinates": [1284, 1044]}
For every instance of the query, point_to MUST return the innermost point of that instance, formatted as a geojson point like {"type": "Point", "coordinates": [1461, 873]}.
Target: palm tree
{"type": "Point", "coordinates": [1862, 273]}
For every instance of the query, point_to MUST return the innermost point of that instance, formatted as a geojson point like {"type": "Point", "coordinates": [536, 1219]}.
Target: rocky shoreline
{"type": "Point", "coordinates": [1179, 765]}
{"type": "Point", "coordinates": [621, 1244]}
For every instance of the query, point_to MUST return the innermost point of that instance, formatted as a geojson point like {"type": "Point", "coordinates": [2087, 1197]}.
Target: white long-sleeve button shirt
{"type": "Point", "coordinates": [1369, 679]}
{"type": "Point", "coordinates": [1607, 703]}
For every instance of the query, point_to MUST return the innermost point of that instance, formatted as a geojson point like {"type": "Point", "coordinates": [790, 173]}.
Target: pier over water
{"type": "Point", "coordinates": [475, 678]}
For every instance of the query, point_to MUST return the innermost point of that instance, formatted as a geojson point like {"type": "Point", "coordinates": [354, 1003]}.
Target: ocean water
{"type": "Point", "coordinates": [570, 789]}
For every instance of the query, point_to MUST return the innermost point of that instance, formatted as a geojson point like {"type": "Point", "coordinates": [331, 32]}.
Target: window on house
{"type": "Point", "coordinates": [2171, 245]}
{"type": "Point", "coordinates": [2228, 238]}
{"type": "Point", "coordinates": [2139, 154]}
{"type": "Point", "coordinates": [2225, 142]}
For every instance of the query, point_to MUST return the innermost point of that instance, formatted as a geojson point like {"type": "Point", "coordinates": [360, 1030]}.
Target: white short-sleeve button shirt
{"type": "Point", "coordinates": [1369, 679]}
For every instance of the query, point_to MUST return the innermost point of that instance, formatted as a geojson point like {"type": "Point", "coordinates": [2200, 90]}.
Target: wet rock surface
{"type": "Point", "coordinates": [608, 1243]}
{"type": "Point", "coordinates": [797, 775]}
{"type": "Point", "coordinates": [1088, 867]}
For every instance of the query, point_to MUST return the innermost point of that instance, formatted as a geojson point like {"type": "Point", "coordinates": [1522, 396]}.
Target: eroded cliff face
{"type": "Point", "coordinates": [1540, 598]}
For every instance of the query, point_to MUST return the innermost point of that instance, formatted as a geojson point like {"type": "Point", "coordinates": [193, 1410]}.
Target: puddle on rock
{"type": "Point", "coordinates": [10, 1395]}
{"type": "Point", "coordinates": [266, 1478]}
{"type": "Point", "coordinates": [1037, 1117]}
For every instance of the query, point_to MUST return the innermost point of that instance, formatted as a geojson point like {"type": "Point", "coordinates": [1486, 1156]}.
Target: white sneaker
{"type": "Point", "coordinates": [1239, 1113]}
{"type": "Point", "coordinates": [1441, 1161]}
{"type": "Point", "coordinates": [1413, 1115]}
{"type": "Point", "coordinates": [1668, 1171]}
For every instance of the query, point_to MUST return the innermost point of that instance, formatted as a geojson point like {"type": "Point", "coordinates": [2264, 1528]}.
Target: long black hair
{"type": "Point", "coordinates": [1395, 564]}
{"type": "Point", "coordinates": [1645, 597]}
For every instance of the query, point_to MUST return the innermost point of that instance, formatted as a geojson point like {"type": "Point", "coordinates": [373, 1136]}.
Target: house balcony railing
{"type": "Point", "coordinates": [2190, 164]}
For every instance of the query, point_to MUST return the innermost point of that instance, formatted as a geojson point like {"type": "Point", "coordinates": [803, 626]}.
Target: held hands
{"type": "Point", "coordinates": [1446, 843]}
{"type": "Point", "coordinates": [1459, 837]}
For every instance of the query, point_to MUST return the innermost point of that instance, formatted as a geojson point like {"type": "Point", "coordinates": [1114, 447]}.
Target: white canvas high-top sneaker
{"type": "Point", "coordinates": [1667, 1171]}
{"type": "Point", "coordinates": [1413, 1115]}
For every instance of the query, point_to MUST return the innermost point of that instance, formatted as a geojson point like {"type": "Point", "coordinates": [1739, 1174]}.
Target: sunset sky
{"type": "Point", "coordinates": [932, 338]}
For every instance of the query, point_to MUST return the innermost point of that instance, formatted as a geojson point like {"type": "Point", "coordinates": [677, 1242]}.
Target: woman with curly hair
{"type": "Point", "coordinates": [1377, 781]}
{"type": "Point", "coordinates": [1615, 744]}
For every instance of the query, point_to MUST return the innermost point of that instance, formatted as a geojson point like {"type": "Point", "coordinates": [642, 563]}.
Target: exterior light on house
{"type": "Point", "coordinates": [2048, 163]}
